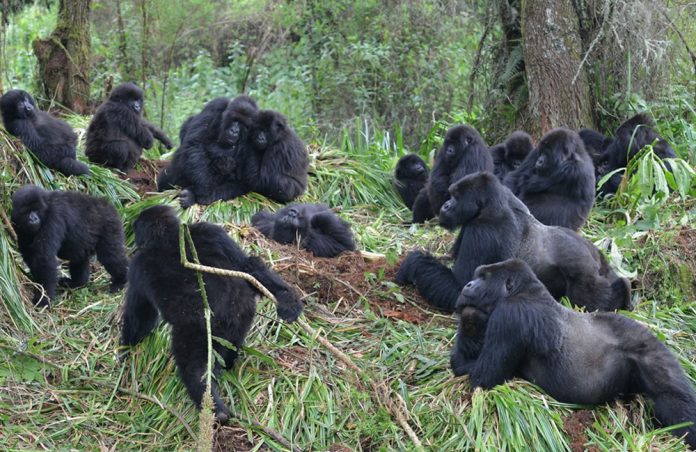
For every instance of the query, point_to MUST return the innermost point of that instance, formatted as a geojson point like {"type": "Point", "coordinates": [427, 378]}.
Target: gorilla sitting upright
{"type": "Point", "coordinates": [512, 327]}
{"type": "Point", "coordinates": [158, 282]}
{"type": "Point", "coordinates": [495, 226]}
{"type": "Point", "coordinates": [314, 226]}
{"type": "Point", "coordinates": [410, 176]}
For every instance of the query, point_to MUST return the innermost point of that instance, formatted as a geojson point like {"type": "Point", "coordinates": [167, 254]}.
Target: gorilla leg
{"type": "Point", "coordinates": [44, 272]}
{"type": "Point", "coordinates": [111, 254]}
{"type": "Point", "coordinates": [433, 280]}
{"type": "Point", "coordinates": [191, 357]}
{"type": "Point", "coordinates": [139, 317]}
{"type": "Point", "coordinates": [71, 167]}
{"type": "Point", "coordinates": [79, 274]}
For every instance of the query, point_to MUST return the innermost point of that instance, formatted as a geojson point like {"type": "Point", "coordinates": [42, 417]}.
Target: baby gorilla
{"type": "Point", "coordinates": [158, 283]}
{"type": "Point", "coordinates": [508, 156]}
{"type": "Point", "coordinates": [494, 226]}
{"type": "Point", "coordinates": [410, 176]}
{"type": "Point", "coordinates": [118, 133]}
{"type": "Point", "coordinates": [579, 358]}
{"type": "Point", "coordinates": [50, 139]}
{"type": "Point", "coordinates": [314, 226]}
{"type": "Point", "coordinates": [71, 226]}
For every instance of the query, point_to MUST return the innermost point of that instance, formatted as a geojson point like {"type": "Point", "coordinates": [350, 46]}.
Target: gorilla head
{"type": "Point", "coordinates": [17, 104]}
{"type": "Point", "coordinates": [474, 196]}
{"type": "Point", "coordinates": [29, 209]}
{"type": "Point", "coordinates": [128, 95]}
{"type": "Point", "coordinates": [237, 121]}
{"type": "Point", "coordinates": [459, 141]}
{"type": "Point", "coordinates": [270, 128]}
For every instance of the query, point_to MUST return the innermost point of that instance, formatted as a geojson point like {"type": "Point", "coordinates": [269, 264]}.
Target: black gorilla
{"type": "Point", "coordinates": [631, 136]}
{"type": "Point", "coordinates": [410, 176]}
{"type": "Point", "coordinates": [463, 152]}
{"type": "Point", "coordinates": [508, 156]}
{"type": "Point", "coordinates": [215, 155]}
{"type": "Point", "coordinates": [579, 358]}
{"type": "Point", "coordinates": [496, 226]}
{"type": "Point", "coordinates": [314, 226]}
{"type": "Point", "coordinates": [118, 133]}
{"type": "Point", "coordinates": [71, 226]}
{"type": "Point", "coordinates": [595, 145]}
{"type": "Point", "coordinates": [556, 181]}
{"type": "Point", "coordinates": [158, 283]}
{"type": "Point", "coordinates": [281, 158]}
{"type": "Point", "coordinates": [50, 139]}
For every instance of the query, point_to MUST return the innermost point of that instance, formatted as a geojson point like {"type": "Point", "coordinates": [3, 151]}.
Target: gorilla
{"type": "Point", "coordinates": [463, 152]}
{"type": "Point", "coordinates": [556, 181]}
{"type": "Point", "coordinates": [595, 145]}
{"type": "Point", "coordinates": [314, 226]}
{"type": "Point", "coordinates": [71, 226]}
{"type": "Point", "coordinates": [159, 284]}
{"type": "Point", "coordinates": [50, 139]}
{"type": "Point", "coordinates": [215, 153]}
{"type": "Point", "coordinates": [410, 176]}
{"type": "Point", "coordinates": [580, 358]}
{"type": "Point", "coordinates": [118, 133]}
{"type": "Point", "coordinates": [281, 158]}
{"type": "Point", "coordinates": [508, 156]}
{"type": "Point", "coordinates": [631, 136]}
{"type": "Point", "coordinates": [495, 226]}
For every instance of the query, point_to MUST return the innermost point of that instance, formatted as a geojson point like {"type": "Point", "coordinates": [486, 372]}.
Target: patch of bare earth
{"type": "Point", "coordinates": [144, 175]}
{"type": "Point", "coordinates": [233, 438]}
{"type": "Point", "coordinates": [575, 425]}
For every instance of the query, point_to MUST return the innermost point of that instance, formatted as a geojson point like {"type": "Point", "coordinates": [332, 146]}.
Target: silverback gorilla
{"type": "Point", "coordinates": [118, 133]}
{"type": "Point", "coordinates": [583, 358]}
{"type": "Point", "coordinates": [158, 283]}
{"type": "Point", "coordinates": [556, 181]}
{"type": "Point", "coordinates": [463, 152]}
{"type": "Point", "coordinates": [315, 226]}
{"type": "Point", "coordinates": [50, 139]}
{"type": "Point", "coordinates": [71, 226]}
{"type": "Point", "coordinates": [495, 226]}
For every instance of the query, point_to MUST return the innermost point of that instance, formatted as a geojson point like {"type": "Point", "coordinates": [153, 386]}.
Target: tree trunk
{"type": "Point", "coordinates": [64, 57]}
{"type": "Point", "coordinates": [559, 94]}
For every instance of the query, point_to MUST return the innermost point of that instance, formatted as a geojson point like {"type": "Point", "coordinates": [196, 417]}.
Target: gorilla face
{"type": "Point", "coordinates": [270, 128]}
{"type": "Point", "coordinates": [517, 147]}
{"type": "Point", "coordinates": [457, 142]}
{"type": "Point", "coordinates": [236, 123]}
{"type": "Point", "coordinates": [555, 149]}
{"type": "Point", "coordinates": [18, 104]}
{"type": "Point", "coordinates": [411, 167]}
{"type": "Point", "coordinates": [290, 221]}
{"type": "Point", "coordinates": [130, 96]}
{"type": "Point", "coordinates": [29, 208]}
{"type": "Point", "coordinates": [470, 198]}
{"type": "Point", "coordinates": [493, 283]}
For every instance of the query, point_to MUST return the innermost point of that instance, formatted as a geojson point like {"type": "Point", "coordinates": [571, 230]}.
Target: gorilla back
{"type": "Point", "coordinates": [581, 358]}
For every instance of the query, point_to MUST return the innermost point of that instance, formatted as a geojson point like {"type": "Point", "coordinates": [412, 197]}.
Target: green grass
{"type": "Point", "coordinates": [61, 385]}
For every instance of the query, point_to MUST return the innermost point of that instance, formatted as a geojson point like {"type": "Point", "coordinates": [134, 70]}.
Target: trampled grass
{"type": "Point", "coordinates": [62, 386]}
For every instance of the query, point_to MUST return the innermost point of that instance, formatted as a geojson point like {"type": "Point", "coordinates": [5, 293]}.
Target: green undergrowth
{"type": "Point", "coordinates": [62, 386]}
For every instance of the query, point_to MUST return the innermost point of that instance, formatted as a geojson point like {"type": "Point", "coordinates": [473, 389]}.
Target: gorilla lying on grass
{"type": "Point", "coordinates": [67, 225]}
{"type": "Point", "coordinates": [495, 226]}
{"type": "Point", "coordinates": [512, 327]}
{"type": "Point", "coordinates": [158, 283]}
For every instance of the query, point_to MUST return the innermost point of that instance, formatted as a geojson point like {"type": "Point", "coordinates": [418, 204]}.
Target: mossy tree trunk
{"type": "Point", "coordinates": [559, 94]}
{"type": "Point", "coordinates": [64, 57]}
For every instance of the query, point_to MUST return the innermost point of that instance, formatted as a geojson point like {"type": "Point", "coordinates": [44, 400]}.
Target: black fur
{"type": "Point", "coordinates": [71, 226]}
{"type": "Point", "coordinates": [410, 176]}
{"type": "Point", "coordinates": [50, 139]}
{"type": "Point", "coordinates": [158, 283]}
{"type": "Point", "coordinates": [215, 155]}
{"type": "Point", "coordinates": [281, 157]}
{"type": "Point", "coordinates": [556, 181]}
{"type": "Point", "coordinates": [314, 226]}
{"type": "Point", "coordinates": [118, 133]}
{"type": "Point", "coordinates": [508, 156]}
{"type": "Point", "coordinates": [463, 152]}
{"type": "Point", "coordinates": [580, 358]}
{"type": "Point", "coordinates": [496, 226]}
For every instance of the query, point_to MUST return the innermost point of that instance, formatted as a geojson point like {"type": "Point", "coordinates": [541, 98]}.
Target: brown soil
{"type": "Point", "coordinates": [144, 175]}
{"type": "Point", "coordinates": [232, 438]}
{"type": "Point", "coordinates": [575, 426]}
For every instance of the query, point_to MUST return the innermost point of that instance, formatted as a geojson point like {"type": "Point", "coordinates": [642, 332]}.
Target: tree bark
{"type": "Point", "coordinates": [64, 57]}
{"type": "Point", "coordinates": [559, 94]}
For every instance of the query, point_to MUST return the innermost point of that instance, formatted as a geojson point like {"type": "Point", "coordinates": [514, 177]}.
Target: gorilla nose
{"type": "Point", "coordinates": [292, 213]}
{"type": "Point", "coordinates": [419, 170]}
{"type": "Point", "coordinates": [469, 285]}
{"type": "Point", "coordinates": [447, 205]}
{"type": "Point", "coordinates": [540, 162]}
{"type": "Point", "coordinates": [33, 218]}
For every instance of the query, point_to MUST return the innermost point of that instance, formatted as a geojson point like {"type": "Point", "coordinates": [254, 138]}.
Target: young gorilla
{"type": "Point", "coordinates": [579, 358]}
{"type": "Point", "coordinates": [281, 158]}
{"type": "Point", "coordinates": [50, 139]}
{"type": "Point", "coordinates": [118, 133]}
{"type": "Point", "coordinates": [463, 152]}
{"type": "Point", "coordinates": [211, 162]}
{"type": "Point", "coordinates": [410, 177]}
{"type": "Point", "coordinates": [314, 226]}
{"type": "Point", "coordinates": [556, 181]}
{"type": "Point", "coordinates": [158, 283]}
{"type": "Point", "coordinates": [508, 156]}
{"type": "Point", "coordinates": [496, 226]}
{"type": "Point", "coordinates": [71, 226]}
{"type": "Point", "coordinates": [631, 136]}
